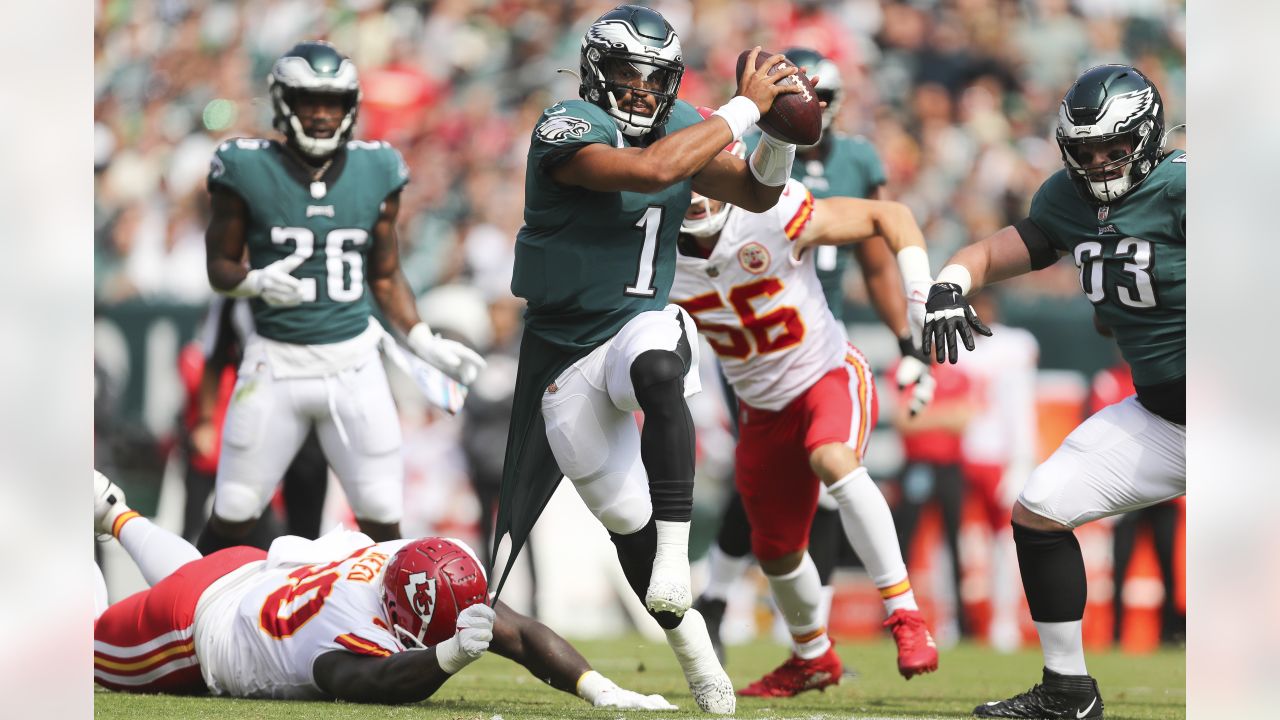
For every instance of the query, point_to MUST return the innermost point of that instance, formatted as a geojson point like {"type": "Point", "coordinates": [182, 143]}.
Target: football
{"type": "Point", "coordinates": [794, 117]}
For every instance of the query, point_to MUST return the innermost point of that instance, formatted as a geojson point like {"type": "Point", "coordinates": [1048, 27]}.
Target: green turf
{"type": "Point", "coordinates": [1134, 687]}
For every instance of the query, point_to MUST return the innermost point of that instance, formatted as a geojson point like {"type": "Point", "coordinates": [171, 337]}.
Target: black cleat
{"type": "Point", "coordinates": [1059, 696]}
{"type": "Point", "coordinates": [712, 611]}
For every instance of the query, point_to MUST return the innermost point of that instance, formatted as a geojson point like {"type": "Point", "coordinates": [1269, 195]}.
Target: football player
{"type": "Point", "coordinates": [806, 404]}
{"type": "Point", "coordinates": [340, 617]}
{"type": "Point", "coordinates": [1118, 208]}
{"type": "Point", "coordinates": [837, 166]}
{"type": "Point", "coordinates": [607, 183]}
{"type": "Point", "coordinates": [316, 214]}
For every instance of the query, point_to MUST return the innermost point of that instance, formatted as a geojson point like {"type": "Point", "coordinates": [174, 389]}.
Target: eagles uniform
{"type": "Point", "coordinates": [799, 383]}
{"type": "Point", "coordinates": [1133, 268]}
{"type": "Point", "coordinates": [316, 362]}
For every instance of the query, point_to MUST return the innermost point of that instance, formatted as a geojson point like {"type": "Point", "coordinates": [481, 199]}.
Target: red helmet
{"type": "Point", "coordinates": [427, 583]}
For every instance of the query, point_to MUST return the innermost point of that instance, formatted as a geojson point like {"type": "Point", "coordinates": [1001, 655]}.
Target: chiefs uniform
{"type": "Point", "coordinates": [242, 623]}
{"type": "Point", "coordinates": [800, 384]}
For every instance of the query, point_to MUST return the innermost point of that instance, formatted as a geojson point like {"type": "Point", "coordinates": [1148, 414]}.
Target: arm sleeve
{"type": "Point", "coordinates": [1042, 252]}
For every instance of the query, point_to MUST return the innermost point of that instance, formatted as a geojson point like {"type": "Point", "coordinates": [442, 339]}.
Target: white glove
{"type": "Point", "coordinates": [451, 358]}
{"type": "Point", "coordinates": [475, 631]}
{"type": "Point", "coordinates": [600, 691]}
{"type": "Point", "coordinates": [913, 371]}
{"type": "Point", "coordinates": [273, 284]}
{"type": "Point", "coordinates": [623, 699]}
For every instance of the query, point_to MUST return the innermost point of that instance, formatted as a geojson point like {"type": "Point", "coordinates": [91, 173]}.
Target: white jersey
{"type": "Point", "coordinates": [761, 309]}
{"type": "Point", "coordinates": [1003, 371]}
{"type": "Point", "coordinates": [259, 629]}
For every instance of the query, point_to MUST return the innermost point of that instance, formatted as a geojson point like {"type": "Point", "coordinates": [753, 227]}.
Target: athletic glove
{"type": "Point", "coordinates": [451, 358]}
{"type": "Point", "coordinates": [913, 369]}
{"type": "Point", "coordinates": [273, 284]}
{"type": "Point", "coordinates": [600, 691]}
{"type": "Point", "coordinates": [475, 631]}
{"type": "Point", "coordinates": [946, 314]}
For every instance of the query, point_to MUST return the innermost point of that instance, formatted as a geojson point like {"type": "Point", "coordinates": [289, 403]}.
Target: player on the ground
{"type": "Point", "coordinates": [316, 214]}
{"type": "Point", "coordinates": [1119, 209]}
{"type": "Point", "coordinates": [837, 166]}
{"type": "Point", "coordinates": [608, 181]}
{"type": "Point", "coordinates": [340, 617]}
{"type": "Point", "coordinates": [806, 405]}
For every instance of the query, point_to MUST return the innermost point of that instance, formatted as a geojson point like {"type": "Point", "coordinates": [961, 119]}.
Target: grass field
{"type": "Point", "coordinates": [1133, 687]}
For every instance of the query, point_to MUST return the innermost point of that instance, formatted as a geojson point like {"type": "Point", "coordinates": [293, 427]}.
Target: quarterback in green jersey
{"type": "Point", "coordinates": [607, 184]}
{"type": "Point", "coordinates": [316, 216]}
{"type": "Point", "coordinates": [1118, 208]}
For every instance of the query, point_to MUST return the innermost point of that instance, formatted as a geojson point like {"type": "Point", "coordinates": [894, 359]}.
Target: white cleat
{"type": "Point", "coordinates": [108, 503]}
{"type": "Point", "coordinates": [711, 687]}
{"type": "Point", "coordinates": [665, 595]}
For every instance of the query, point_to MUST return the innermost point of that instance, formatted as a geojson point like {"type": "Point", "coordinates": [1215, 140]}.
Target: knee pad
{"type": "Point", "coordinates": [655, 373]}
{"type": "Point", "coordinates": [626, 514]}
{"type": "Point", "coordinates": [236, 503]}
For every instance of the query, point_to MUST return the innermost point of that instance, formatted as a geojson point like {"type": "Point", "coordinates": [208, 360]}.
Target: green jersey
{"type": "Point", "coordinates": [322, 229]}
{"type": "Point", "coordinates": [1132, 257]}
{"type": "Point", "coordinates": [587, 261]}
{"type": "Point", "coordinates": [850, 167]}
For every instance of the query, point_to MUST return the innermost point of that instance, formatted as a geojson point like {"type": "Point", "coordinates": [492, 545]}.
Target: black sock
{"type": "Point", "coordinates": [666, 440]}
{"type": "Point", "coordinates": [734, 537]}
{"type": "Point", "coordinates": [635, 553]}
{"type": "Point", "coordinates": [1052, 574]}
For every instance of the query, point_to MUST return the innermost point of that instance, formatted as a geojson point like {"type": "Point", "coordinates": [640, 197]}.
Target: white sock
{"type": "Point", "coordinates": [692, 646]}
{"type": "Point", "coordinates": [156, 551]}
{"type": "Point", "coordinates": [868, 524]}
{"type": "Point", "coordinates": [1063, 646]}
{"type": "Point", "coordinates": [799, 597]}
{"type": "Point", "coordinates": [673, 544]}
{"type": "Point", "coordinates": [723, 572]}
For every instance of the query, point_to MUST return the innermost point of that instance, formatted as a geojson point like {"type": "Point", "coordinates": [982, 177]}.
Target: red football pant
{"type": "Point", "coordinates": [778, 486]}
{"type": "Point", "coordinates": [145, 642]}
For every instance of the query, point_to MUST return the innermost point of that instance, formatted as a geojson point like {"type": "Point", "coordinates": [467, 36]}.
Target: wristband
{"type": "Point", "coordinates": [913, 263]}
{"type": "Point", "coordinates": [957, 274]}
{"type": "Point", "coordinates": [591, 684]}
{"type": "Point", "coordinates": [450, 656]}
{"type": "Point", "coordinates": [740, 113]}
{"type": "Point", "coordinates": [772, 160]}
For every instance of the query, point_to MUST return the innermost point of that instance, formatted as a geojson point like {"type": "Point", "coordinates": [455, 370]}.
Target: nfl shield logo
{"type": "Point", "coordinates": [1103, 213]}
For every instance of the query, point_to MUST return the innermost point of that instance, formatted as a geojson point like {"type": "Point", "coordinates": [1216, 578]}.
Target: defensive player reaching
{"type": "Point", "coordinates": [340, 617]}
{"type": "Point", "coordinates": [316, 214]}
{"type": "Point", "coordinates": [607, 184]}
{"type": "Point", "coordinates": [837, 166]}
{"type": "Point", "coordinates": [807, 404]}
{"type": "Point", "coordinates": [1119, 209]}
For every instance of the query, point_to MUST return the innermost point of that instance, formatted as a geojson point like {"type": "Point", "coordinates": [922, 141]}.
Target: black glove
{"type": "Point", "coordinates": [945, 314]}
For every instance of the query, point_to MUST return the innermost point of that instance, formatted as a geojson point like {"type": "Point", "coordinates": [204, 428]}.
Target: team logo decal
{"type": "Point", "coordinates": [421, 591]}
{"type": "Point", "coordinates": [1104, 212]}
{"type": "Point", "coordinates": [562, 127]}
{"type": "Point", "coordinates": [216, 167]}
{"type": "Point", "coordinates": [754, 258]}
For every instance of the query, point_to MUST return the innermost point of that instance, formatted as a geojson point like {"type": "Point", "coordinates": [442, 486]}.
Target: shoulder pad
{"type": "Point", "coordinates": [230, 155]}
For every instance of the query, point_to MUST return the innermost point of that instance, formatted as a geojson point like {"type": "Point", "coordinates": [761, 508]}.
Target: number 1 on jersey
{"type": "Point", "coordinates": [650, 223]}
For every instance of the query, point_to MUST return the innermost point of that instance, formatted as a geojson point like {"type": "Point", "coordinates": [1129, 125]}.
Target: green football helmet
{"type": "Point", "coordinates": [1110, 131]}
{"type": "Point", "coordinates": [628, 45]}
{"type": "Point", "coordinates": [313, 67]}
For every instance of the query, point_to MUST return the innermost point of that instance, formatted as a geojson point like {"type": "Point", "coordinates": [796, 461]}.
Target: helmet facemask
{"type": "Point", "coordinates": [617, 60]}
{"type": "Point", "coordinates": [293, 76]}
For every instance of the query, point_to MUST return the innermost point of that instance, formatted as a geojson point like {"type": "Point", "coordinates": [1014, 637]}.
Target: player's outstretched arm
{"type": "Point", "coordinates": [409, 676]}
{"type": "Point", "coordinates": [947, 314]}
{"type": "Point", "coordinates": [681, 154]}
{"type": "Point", "coordinates": [554, 661]}
{"type": "Point", "coordinates": [391, 289]}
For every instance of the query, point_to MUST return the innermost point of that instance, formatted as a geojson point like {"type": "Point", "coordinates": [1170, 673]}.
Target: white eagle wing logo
{"type": "Point", "coordinates": [562, 127]}
{"type": "Point", "coordinates": [1118, 112]}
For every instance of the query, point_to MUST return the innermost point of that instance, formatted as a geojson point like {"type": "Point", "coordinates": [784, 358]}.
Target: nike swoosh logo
{"type": "Point", "coordinates": [1082, 713]}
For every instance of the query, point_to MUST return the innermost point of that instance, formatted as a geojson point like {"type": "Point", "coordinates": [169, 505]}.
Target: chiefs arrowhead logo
{"type": "Point", "coordinates": [421, 591]}
{"type": "Point", "coordinates": [754, 258]}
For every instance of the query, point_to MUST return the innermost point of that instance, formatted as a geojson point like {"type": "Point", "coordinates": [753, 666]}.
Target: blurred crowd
{"type": "Point", "coordinates": [959, 97]}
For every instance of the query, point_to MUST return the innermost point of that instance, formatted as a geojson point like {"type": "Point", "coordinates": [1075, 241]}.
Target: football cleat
{"type": "Point", "coordinates": [108, 503]}
{"type": "Point", "coordinates": [917, 652]}
{"type": "Point", "coordinates": [669, 580]}
{"type": "Point", "coordinates": [712, 610]}
{"type": "Point", "coordinates": [711, 687]}
{"type": "Point", "coordinates": [1058, 696]}
{"type": "Point", "coordinates": [797, 675]}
